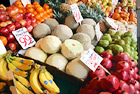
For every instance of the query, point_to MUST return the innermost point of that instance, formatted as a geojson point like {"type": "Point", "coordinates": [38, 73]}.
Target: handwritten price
{"type": "Point", "coordinates": [26, 39]}
{"type": "Point", "coordinates": [92, 60]}
{"type": "Point", "coordinates": [76, 13]}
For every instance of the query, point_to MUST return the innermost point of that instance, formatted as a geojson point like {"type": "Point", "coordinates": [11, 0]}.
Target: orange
{"type": "Point", "coordinates": [50, 10]}
{"type": "Point", "coordinates": [116, 16]}
{"type": "Point", "coordinates": [17, 2]}
{"type": "Point", "coordinates": [46, 6]}
{"type": "Point", "coordinates": [36, 6]}
{"type": "Point", "coordinates": [34, 12]}
{"type": "Point", "coordinates": [37, 17]}
{"type": "Point", "coordinates": [30, 10]}
{"type": "Point", "coordinates": [20, 6]}
{"type": "Point", "coordinates": [35, 2]}
{"type": "Point", "coordinates": [38, 22]}
{"type": "Point", "coordinates": [29, 6]}
{"type": "Point", "coordinates": [39, 9]}
{"type": "Point", "coordinates": [4, 40]}
{"type": "Point", "coordinates": [20, 11]}
{"type": "Point", "coordinates": [51, 15]}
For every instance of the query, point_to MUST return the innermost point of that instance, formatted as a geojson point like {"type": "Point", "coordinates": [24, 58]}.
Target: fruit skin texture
{"type": "Point", "coordinates": [106, 63]}
{"type": "Point", "coordinates": [132, 89]}
{"type": "Point", "coordinates": [123, 75]}
{"type": "Point", "coordinates": [122, 65]}
{"type": "Point", "coordinates": [132, 72]}
{"type": "Point", "coordinates": [105, 93]}
{"type": "Point", "coordinates": [132, 63]}
{"type": "Point", "coordinates": [12, 46]}
{"type": "Point", "coordinates": [124, 86]}
{"type": "Point", "coordinates": [3, 69]}
{"type": "Point", "coordinates": [94, 83]}
{"type": "Point", "coordinates": [137, 77]}
{"type": "Point", "coordinates": [121, 92]}
{"type": "Point", "coordinates": [10, 37]}
{"type": "Point", "coordinates": [109, 83]}
{"type": "Point", "coordinates": [122, 57]}
{"type": "Point", "coordinates": [137, 85]}
{"type": "Point", "coordinates": [98, 73]}
{"type": "Point", "coordinates": [106, 55]}
{"type": "Point", "coordinates": [4, 31]}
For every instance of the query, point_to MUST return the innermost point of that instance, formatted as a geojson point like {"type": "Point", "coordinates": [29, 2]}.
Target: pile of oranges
{"type": "Point", "coordinates": [40, 13]}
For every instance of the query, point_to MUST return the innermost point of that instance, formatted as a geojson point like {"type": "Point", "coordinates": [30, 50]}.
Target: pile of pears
{"type": "Point", "coordinates": [116, 43]}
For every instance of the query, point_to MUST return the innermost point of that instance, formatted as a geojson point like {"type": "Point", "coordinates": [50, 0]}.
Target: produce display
{"type": "Point", "coordinates": [109, 28]}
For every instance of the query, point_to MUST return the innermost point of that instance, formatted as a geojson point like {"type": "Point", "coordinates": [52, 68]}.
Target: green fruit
{"type": "Point", "coordinates": [132, 49]}
{"type": "Point", "coordinates": [119, 33]}
{"type": "Point", "coordinates": [127, 40]}
{"type": "Point", "coordinates": [116, 36]}
{"type": "Point", "coordinates": [132, 54]}
{"type": "Point", "coordinates": [112, 42]}
{"type": "Point", "coordinates": [109, 51]}
{"type": "Point", "coordinates": [107, 37]}
{"type": "Point", "coordinates": [120, 42]}
{"type": "Point", "coordinates": [127, 53]}
{"type": "Point", "coordinates": [104, 43]}
{"type": "Point", "coordinates": [133, 41]}
{"type": "Point", "coordinates": [111, 32]}
{"type": "Point", "coordinates": [136, 57]}
{"type": "Point", "coordinates": [117, 49]}
{"type": "Point", "coordinates": [99, 49]}
{"type": "Point", "coordinates": [134, 45]}
{"type": "Point", "coordinates": [128, 34]}
{"type": "Point", "coordinates": [128, 50]}
{"type": "Point", "coordinates": [111, 46]}
{"type": "Point", "coordinates": [135, 48]}
{"type": "Point", "coordinates": [135, 53]}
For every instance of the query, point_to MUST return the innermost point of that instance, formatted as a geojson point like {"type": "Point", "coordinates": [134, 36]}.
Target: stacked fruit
{"type": "Point", "coordinates": [20, 68]}
{"type": "Point", "coordinates": [124, 78]}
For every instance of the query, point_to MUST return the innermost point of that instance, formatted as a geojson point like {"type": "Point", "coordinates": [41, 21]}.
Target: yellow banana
{"type": "Point", "coordinates": [16, 70]}
{"type": "Point", "coordinates": [22, 88]}
{"type": "Point", "coordinates": [21, 65]}
{"type": "Point", "coordinates": [18, 92]}
{"type": "Point", "coordinates": [35, 84]}
{"type": "Point", "coordinates": [22, 60]}
{"type": "Point", "coordinates": [47, 83]}
{"type": "Point", "coordinates": [3, 69]}
{"type": "Point", "coordinates": [22, 80]}
{"type": "Point", "coordinates": [48, 74]}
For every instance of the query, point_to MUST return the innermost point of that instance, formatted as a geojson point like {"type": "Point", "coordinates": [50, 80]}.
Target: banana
{"type": "Point", "coordinates": [47, 83]}
{"type": "Point", "coordinates": [3, 69]}
{"type": "Point", "coordinates": [18, 92]}
{"type": "Point", "coordinates": [22, 88]}
{"type": "Point", "coordinates": [48, 74]}
{"type": "Point", "coordinates": [22, 60]}
{"type": "Point", "coordinates": [16, 70]}
{"type": "Point", "coordinates": [21, 65]}
{"type": "Point", "coordinates": [35, 84]}
{"type": "Point", "coordinates": [22, 80]}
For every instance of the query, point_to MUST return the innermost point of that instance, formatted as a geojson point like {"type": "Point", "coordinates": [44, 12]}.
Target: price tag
{"type": "Point", "coordinates": [91, 59]}
{"type": "Point", "coordinates": [114, 2]}
{"type": "Point", "coordinates": [25, 2]}
{"type": "Point", "coordinates": [24, 38]}
{"type": "Point", "coordinates": [111, 23]}
{"type": "Point", "coordinates": [2, 48]}
{"type": "Point", "coordinates": [12, 1]}
{"type": "Point", "coordinates": [99, 34]}
{"type": "Point", "coordinates": [76, 12]}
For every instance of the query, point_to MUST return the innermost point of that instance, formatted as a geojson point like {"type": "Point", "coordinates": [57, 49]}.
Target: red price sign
{"type": "Point", "coordinates": [76, 14]}
{"type": "Point", "coordinates": [24, 38]}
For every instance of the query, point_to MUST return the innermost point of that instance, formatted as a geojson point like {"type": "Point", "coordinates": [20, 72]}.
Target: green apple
{"type": "Point", "coordinates": [99, 49]}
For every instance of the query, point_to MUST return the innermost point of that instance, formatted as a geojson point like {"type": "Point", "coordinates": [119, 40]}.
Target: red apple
{"type": "Point", "coordinates": [3, 24]}
{"type": "Point", "coordinates": [13, 11]}
{"type": "Point", "coordinates": [28, 21]}
{"type": "Point", "coordinates": [12, 46]}
{"type": "Point", "coordinates": [10, 37]}
{"type": "Point", "coordinates": [3, 17]}
{"type": "Point", "coordinates": [4, 31]}
{"type": "Point", "coordinates": [17, 25]}
{"type": "Point", "coordinates": [29, 28]}
{"type": "Point", "coordinates": [2, 11]}
{"type": "Point", "coordinates": [11, 27]}
{"type": "Point", "coordinates": [23, 23]}
{"type": "Point", "coordinates": [34, 24]}
{"type": "Point", "coordinates": [28, 15]}
{"type": "Point", "coordinates": [17, 17]}
{"type": "Point", "coordinates": [33, 20]}
{"type": "Point", "coordinates": [9, 22]}
{"type": "Point", "coordinates": [99, 72]}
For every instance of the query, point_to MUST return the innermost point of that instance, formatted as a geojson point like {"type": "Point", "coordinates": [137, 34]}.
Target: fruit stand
{"type": "Point", "coordinates": [69, 47]}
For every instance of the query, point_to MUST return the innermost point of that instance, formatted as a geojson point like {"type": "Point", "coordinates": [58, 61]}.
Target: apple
{"type": "Point", "coordinates": [33, 20]}
{"type": "Point", "coordinates": [34, 24]}
{"type": "Point", "coordinates": [3, 17]}
{"type": "Point", "coordinates": [13, 11]}
{"type": "Point", "coordinates": [3, 24]}
{"type": "Point", "coordinates": [7, 17]}
{"type": "Point", "coordinates": [11, 27]}
{"type": "Point", "coordinates": [2, 11]}
{"type": "Point", "coordinates": [17, 17]}
{"type": "Point", "coordinates": [17, 25]}
{"type": "Point", "coordinates": [28, 15]}
{"type": "Point", "coordinates": [12, 46]}
{"type": "Point", "coordinates": [10, 37]}
{"type": "Point", "coordinates": [8, 22]}
{"type": "Point", "coordinates": [23, 23]}
{"type": "Point", "coordinates": [29, 28]}
{"type": "Point", "coordinates": [28, 21]}
{"type": "Point", "coordinates": [4, 31]}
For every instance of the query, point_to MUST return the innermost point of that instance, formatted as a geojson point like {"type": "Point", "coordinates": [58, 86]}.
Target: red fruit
{"type": "Point", "coordinates": [17, 25]}
{"type": "Point", "coordinates": [137, 77]}
{"type": "Point", "coordinates": [28, 15]}
{"type": "Point", "coordinates": [33, 20]}
{"type": "Point", "coordinates": [123, 75]}
{"type": "Point", "coordinates": [98, 73]}
{"type": "Point", "coordinates": [136, 69]}
{"type": "Point", "coordinates": [105, 93]}
{"type": "Point", "coordinates": [11, 27]}
{"type": "Point", "coordinates": [10, 37]}
{"type": "Point", "coordinates": [132, 63]}
{"type": "Point", "coordinates": [12, 12]}
{"type": "Point", "coordinates": [3, 17]}
{"type": "Point", "coordinates": [106, 63]}
{"type": "Point", "coordinates": [131, 80]}
{"type": "Point", "coordinates": [2, 11]}
{"type": "Point", "coordinates": [113, 73]}
{"type": "Point", "coordinates": [83, 91]}
{"type": "Point", "coordinates": [124, 86]}
{"type": "Point", "coordinates": [121, 92]}
{"type": "Point", "coordinates": [90, 91]}
{"type": "Point", "coordinates": [23, 23]}
{"type": "Point", "coordinates": [9, 22]}
{"type": "Point", "coordinates": [28, 21]}
{"type": "Point", "coordinates": [17, 17]}
{"type": "Point", "coordinates": [12, 46]}
{"type": "Point", "coordinates": [137, 92]}
{"type": "Point", "coordinates": [132, 72]}
{"type": "Point", "coordinates": [3, 24]}
{"type": "Point", "coordinates": [137, 85]}
{"type": "Point", "coordinates": [4, 31]}
{"type": "Point", "coordinates": [113, 66]}
{"type": "Point", "coordinates": [122, 57]}
{"type": "Point", "coordinates": [94, 83]}
{"type": "Point", "coordinates": [109, 83]}
{"type": "Point", "coordinates": [106, 55]}
{"type": "Point", "coordinates": [122, 65]}
{"type": "Point", "coordinates": [132, 89]}
{"type": "Point", "coordinates": [34, 24]}
{"type": "Point", "coordinates": [87, 86]}
{"type": "Point", "coordinates": [29, 28]}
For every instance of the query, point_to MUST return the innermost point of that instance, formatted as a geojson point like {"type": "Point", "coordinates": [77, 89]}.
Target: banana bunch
{"type": "Point", "coordinates": [45, 81]}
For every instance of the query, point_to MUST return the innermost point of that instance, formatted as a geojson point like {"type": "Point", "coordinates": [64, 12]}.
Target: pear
{"type": "Point", "coordinates": [104, 43]}
{"type": "Point", "coordinates": [119, 33]}
{"type": "Point", "coordinates": [99, 49]}
{"type": "Point", "coordinates": [111, 32]}
{"type": "Point", "coordinates": [117, 49]}
{"type": "Point", "coordinates": [107, 37]}
{"type": "Point", "coordinates": [128, 34]}
{"type": "Point", "coordinates": [116, 36]}
{"type": "Point", "coordinates": [120, 42]}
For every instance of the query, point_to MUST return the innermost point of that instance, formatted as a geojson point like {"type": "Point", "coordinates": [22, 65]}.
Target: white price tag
{"type": "Point", "coordinates": [24, 38]}
{"type": "Point", "coordinates": [76, 12]}
{"type": "Point", "coordinates": [2, 48]}
{"type": "Point", "coordinates": [111, 23]}
{"type": "Point", "coordinates": [99, 34]}
{"type": "Point", "coordinates": [114, 2]}
{"type": "Point", "coordinates": [91, 59]}
{"type": "Point", "coordinates": [25, 2]}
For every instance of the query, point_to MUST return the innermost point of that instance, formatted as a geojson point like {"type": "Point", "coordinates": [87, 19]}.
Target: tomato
{"type": "Point", "coordinates": [4, 40]}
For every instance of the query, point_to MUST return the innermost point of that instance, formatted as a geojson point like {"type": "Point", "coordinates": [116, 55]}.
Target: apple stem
{"type": "Point", "coordinates": [105, 69]}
